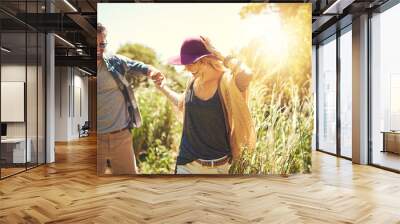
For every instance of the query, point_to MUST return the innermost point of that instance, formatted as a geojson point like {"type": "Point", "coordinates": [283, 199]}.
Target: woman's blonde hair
{"type": "Point", "coordinates": [205, 64]}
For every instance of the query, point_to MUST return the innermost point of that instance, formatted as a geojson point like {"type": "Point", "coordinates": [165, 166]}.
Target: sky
{"type": "Point", "coordinates": [163, 27]}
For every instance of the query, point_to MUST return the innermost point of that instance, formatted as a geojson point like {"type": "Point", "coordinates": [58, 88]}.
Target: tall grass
{"type": "Point", "coordinates": [280, 98]}
{"type": "Point", "coordinates": [283, 130]}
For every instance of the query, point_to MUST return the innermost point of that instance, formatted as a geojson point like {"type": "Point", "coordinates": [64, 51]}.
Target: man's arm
{"type": "Point", "coordinates": [133, 67]}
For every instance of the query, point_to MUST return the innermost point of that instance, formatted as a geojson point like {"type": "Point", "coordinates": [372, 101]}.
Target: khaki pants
{"type": "Point", "coordinates": [117, 148]}
{"type": "Point", "coordinates": [196, 168]}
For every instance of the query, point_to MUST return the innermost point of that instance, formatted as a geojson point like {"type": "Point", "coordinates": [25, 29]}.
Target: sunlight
{"type": "Point", "coordinates": [270, 31]}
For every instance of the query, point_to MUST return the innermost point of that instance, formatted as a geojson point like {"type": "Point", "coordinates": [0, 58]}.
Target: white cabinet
{"type": "Point", "coordinates": [17, 146]}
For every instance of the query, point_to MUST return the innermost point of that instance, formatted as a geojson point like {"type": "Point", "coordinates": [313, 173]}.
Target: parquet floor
{"type": "Point", "coordinates": [70, 192]}
{"type": "Point", "coordinates": [9, 171]}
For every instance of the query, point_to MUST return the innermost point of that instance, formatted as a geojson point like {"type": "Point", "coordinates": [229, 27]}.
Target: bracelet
{"type": "Point", "coordinates": [232, 63]}
{"type": "Point", "coordinates": [227, 61]}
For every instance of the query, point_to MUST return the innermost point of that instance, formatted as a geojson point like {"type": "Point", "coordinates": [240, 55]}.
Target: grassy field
{"type": "Point", "coordinates": [280, 100]}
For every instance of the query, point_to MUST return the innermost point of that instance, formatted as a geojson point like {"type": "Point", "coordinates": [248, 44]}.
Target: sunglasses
{"type": "Point", "coordinates": [102, 45]}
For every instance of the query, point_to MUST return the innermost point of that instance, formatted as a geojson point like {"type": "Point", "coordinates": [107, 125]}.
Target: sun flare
{"type": "Point", "coordinates": [271, 35]}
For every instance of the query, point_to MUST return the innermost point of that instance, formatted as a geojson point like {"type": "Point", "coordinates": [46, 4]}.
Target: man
{"type": "Point", "coordinates": [117, 110]}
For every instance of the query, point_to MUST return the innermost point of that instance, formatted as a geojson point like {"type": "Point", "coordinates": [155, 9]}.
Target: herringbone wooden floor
{"type": "Point", "coordinates": [70, 192]}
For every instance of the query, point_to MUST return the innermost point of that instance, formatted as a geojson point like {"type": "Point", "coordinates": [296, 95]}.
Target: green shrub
{"type": "Point", "coordinates": [157, 140]}
{"type": "Point", "coordinates": [159, 160]}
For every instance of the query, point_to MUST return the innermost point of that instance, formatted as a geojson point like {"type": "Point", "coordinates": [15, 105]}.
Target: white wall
{"type": "Point", "coordinates": [70, 84]}
{"type": "Point", "coordinates": [80, 109]}
{"type": "Point", "coordinates": [13, 73]}
{"type": "Point", "coordinates": [33, 127]}
{"type": "Point", "coordinates": [61, 103]}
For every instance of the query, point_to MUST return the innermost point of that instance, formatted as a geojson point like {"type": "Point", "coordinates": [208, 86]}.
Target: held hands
{"type": "Point", "coordinates": [157, 77]}
{"type": "Point", "coordinates": [160, 83]}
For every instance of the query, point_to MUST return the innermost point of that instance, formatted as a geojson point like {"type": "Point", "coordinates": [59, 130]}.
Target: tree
{"type": "Point", "coordinates": [139, 52]}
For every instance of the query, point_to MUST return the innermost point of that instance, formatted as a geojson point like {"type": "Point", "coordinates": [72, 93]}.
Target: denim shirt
{"type": "Point", "coordinates": [121, 66]}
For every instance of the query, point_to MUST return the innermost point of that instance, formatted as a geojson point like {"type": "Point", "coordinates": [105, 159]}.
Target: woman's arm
{"type": "Point", "coordinates": [174, 97]}
{"type": "Point", "coordinates": [242, 73]}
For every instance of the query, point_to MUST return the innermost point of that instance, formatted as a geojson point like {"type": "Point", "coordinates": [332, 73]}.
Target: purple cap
{"type": "Point", "coordinates": [192, 50]}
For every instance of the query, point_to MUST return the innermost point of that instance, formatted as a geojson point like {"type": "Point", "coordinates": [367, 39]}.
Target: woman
{"type": "Point", "coordinates": [217, 122]}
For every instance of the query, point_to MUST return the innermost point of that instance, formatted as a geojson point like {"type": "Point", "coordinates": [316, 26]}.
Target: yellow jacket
{"type": "Point", "coordinates": [239, 123]}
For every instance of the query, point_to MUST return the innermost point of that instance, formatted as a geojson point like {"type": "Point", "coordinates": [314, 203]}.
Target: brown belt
{"type": "Point", "coordinates": [212, 163]}
{"type": "Point", "coordinates": [117, 131]}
